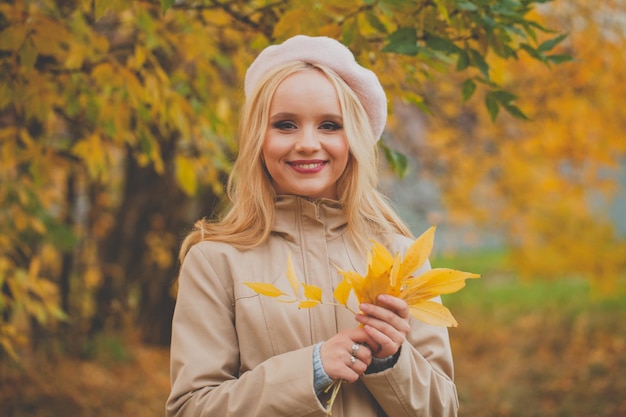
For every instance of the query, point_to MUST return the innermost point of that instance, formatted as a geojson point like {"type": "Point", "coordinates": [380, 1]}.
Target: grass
{"type": "Point", "coordinates": [535, 348]}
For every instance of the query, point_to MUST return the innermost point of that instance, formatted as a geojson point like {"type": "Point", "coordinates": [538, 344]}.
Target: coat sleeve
{"type": "Point", "coordinates": [421, 383]}
{"type": "Point", "coordinates": [204, 357]}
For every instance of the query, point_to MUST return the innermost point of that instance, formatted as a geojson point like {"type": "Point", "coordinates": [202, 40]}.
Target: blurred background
{"type": "Point", "coordinates": [507, 130]}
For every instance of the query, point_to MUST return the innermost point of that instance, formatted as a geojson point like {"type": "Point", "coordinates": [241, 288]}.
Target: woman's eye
{"type": "Point", "coordinates": [330, 126]}
{"type": "Point", "coordinates": [285, 125]}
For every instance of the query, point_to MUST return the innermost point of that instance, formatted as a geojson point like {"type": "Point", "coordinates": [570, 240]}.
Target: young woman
{"type": "Point", "coordinates": [304, 184]}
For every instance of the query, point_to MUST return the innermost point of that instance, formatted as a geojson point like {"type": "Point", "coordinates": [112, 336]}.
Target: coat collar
{"type": "Point", "coordinates": [293, 213]}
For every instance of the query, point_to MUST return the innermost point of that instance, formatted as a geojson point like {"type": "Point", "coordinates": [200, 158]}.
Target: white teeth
{"type": "Point", "coordinates": [309, 166]}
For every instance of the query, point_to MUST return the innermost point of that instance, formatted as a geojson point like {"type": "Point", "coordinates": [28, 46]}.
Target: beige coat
{"type": "Point", "coordinates": [236, 353]}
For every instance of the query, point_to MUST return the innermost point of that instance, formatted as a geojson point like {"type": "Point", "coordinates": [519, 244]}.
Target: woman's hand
{"type": "Point", "coordinates": [337, 353]}
{"type": "Point", "coordinates": [387, 324]}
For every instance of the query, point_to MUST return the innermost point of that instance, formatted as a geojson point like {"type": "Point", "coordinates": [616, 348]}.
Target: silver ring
{"type": "Point", "coordinates": [352, 360]}
{"type": "Point", "coordinates": [355, 348]}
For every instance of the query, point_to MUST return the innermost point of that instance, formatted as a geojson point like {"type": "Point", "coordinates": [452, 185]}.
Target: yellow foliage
{"type": "Point", "coordinates": [544, 183]}
{"type": "Point", "coordinates": [395, 278]}
{"type": "Point", "coordinates": [86, 85]}
{"type": "Point", "coordinates": [385, 275]}
{"type": "Point", "coordinates": [185, 174]}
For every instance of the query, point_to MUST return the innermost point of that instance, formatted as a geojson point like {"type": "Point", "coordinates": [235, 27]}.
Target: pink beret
{"type": "Point", "coordinates": [334, 55]}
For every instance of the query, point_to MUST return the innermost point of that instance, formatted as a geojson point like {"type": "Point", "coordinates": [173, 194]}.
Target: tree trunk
{"type": "Point", "coordinates": [151, 203]}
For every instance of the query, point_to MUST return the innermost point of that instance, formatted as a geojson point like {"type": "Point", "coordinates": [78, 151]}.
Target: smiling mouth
{"type": "Point", "coordinates": [312, 165]}
{"type": "Point", "coordinates": [307, 166]}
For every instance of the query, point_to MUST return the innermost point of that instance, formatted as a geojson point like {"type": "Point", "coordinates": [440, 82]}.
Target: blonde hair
{"type": "Point", "coordinates": [250, 216]}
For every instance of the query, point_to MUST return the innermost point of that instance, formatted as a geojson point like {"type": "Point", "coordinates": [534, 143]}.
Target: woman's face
{"type": "Point", "coordinates": [305, 148]}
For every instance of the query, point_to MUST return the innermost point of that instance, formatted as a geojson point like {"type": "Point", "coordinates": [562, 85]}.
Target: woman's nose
{"type": "Point", "coordinates": [307, 140]}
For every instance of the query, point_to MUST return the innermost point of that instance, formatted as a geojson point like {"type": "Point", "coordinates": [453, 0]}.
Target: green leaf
{"type": "Point", "coordinates": [480, 63]}
{"type": "Point", "coordinates": [510, 8]}
{"type": "Point", "coordinates": [463, 60]}
{"type": "Point", "coordinates": [441, 44]}
{"type": "Point", "coordinates": [560, 58]}
{"type": "Point", "coordinates": [60, 235]}
{"type": "Point", "coordinates": [468, 89]}
{"type": "Point", "coordinates": [397, 161]}
{"type": "Point", "coordinates": [375, 22]}
{"type": "Point", "coordinates": [418, 102]}
{"type": "Point", "coordinates": [403, 41]}
{"type": "Point", "coordinates": [528, 28]}
{"type": "Point", "coordinates": [548, 45]}
{"type": "Point", "coordinates": [532, 52]}
{"type": "Point", "coordinates": [489, 23]}
{"type": "Point", "coordinates": [515, 30]}
{"type": "Point", "coordinates": [467, 6]}
{"type": "Point", "coordinates": [349, 30]}
{"type": "Point", "coordinates": [515, 111]}
{"type": "Point", "coordinates": [503, 97]}
{"type": "Point", "coordinates": [166, 5]}
{"type": "Point", "coordinates": [492, 106]}
{"type": "Point", "coordinates": [487, 82]}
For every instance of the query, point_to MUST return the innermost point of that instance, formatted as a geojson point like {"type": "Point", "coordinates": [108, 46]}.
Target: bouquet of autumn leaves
{"type": "Point", "coordinates": [386, 274]}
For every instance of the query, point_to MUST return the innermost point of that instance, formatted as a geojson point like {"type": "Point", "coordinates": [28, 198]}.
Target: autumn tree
{"type": "Point", "coordinates": [544, 185]}
{"type": "Point", "coordinates": [118, 128]}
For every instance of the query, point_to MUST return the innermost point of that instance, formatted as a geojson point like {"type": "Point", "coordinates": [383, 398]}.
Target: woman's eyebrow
{"type": "Point", "coordinates": [282, 115]}
{"type": "Point", "coordinates": [288, 115]}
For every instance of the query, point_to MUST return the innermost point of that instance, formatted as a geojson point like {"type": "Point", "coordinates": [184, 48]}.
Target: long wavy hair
{"type": "Point", "coordinates": [248, 219]}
